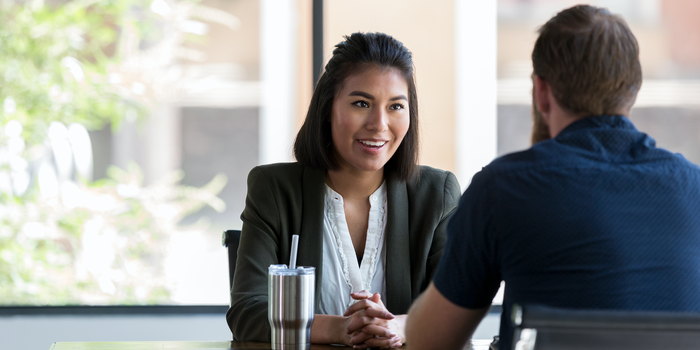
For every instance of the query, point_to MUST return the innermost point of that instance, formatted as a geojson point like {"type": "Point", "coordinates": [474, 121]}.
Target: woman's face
{"type": "Point", "coordinates": [369, 118]}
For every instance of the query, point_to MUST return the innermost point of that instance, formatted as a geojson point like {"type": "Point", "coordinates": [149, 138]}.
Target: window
{"type": "Point", "coordinates": [124, 155]}
{"type": "Point", "coordinates": [127, 130]}
{"type": "Point", "coordinates": [667, 106]}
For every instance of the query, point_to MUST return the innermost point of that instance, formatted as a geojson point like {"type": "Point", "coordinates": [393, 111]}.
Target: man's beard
{"type": "Point", "coordinates": [540, 130]}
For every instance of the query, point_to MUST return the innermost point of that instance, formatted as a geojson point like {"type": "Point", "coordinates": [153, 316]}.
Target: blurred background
{"type": "Point", "coordinates": [127, 128]}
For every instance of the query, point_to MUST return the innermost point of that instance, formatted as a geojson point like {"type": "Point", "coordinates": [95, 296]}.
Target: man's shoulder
{"type": "Point", "coordinates": [677, 160]}
{"type": "Point", "coordinates": [531, 158]}
{"type": "Point", "coordinates": [549, 155]}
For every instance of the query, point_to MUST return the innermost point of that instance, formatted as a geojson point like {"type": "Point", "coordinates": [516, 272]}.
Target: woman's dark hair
{"type": "Point", "coordinates": [314, 145]}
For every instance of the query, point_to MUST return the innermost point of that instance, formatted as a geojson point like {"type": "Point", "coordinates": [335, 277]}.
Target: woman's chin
{"type": "Point", "coordinates": [376, 170]}
{"type": "Point", "coordinates": [369, 168]}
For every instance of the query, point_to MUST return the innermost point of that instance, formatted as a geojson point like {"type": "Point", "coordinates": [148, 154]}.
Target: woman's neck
{"type": "Point", "coordinates": [355, 185]}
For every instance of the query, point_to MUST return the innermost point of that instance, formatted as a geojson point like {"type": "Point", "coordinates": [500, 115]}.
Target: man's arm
{"type": "Point", "coordinates": [434, 322]}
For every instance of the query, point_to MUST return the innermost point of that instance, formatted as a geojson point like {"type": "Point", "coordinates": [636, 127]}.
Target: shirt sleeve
{"type": "Point", "coordinates": [468, 273]}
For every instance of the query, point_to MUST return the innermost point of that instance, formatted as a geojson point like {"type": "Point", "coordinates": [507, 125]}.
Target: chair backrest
{"type": "Point", "coordinates": [230, 240]}
{"type": "Point", "coordinates": [545, 328]}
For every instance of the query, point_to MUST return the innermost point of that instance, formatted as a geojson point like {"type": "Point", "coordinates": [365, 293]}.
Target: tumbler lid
{"type": "Point", "coordinates": [283, 270]}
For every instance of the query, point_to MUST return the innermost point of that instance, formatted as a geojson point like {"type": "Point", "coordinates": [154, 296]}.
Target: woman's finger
{"type": "Point", "coordinates": [378, 331]}
{"type": "Point", "coordinates": [379, 313]}
{"type": "Point", "coordinates": [359, 338]}
{"type": "Point", "coordinates": [385, 343]}
{"type": "Point", "coordinates": [377, 298]}
{"type": "Point", "coordinates": [362, 304]}
{"type": "Point", "coordinates": [357, 322]}
{"type": "Point", "coordinates": [361, 295]}
{"type": "Point", "coordinates": [367, 304]}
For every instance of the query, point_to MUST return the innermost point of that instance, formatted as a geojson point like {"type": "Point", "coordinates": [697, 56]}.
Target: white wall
{"type": "Point", "coordinates": [39, 332]}
{"type": "Point", "coordinates": [278, 69]}
{"type": "Point", "coordinates": [475, 91]}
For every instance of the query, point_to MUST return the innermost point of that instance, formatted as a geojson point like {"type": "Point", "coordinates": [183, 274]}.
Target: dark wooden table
{"type": "Point", "coordinates": [477, 344]}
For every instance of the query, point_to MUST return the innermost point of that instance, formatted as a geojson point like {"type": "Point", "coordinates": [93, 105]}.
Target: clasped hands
{"type": "Point", "coordinates": [369, 324]}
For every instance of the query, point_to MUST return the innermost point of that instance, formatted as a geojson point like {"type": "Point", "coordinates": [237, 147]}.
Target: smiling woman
{"type": "Point", "coordinates": [369, 119]}
{"type": "Point", "coordinates": [369, 219]}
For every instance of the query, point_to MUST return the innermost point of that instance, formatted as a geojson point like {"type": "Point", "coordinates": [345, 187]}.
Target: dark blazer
{"type": "Point", "coordinates": [288, 198]}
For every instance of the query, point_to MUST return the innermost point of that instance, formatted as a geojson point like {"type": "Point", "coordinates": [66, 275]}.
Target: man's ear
{"type": "Point", "coordinates": [542, 96]}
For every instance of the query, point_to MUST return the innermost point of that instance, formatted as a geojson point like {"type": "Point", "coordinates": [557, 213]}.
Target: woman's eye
{"type": "Point", "coordinates": [362, 104]}
{"type": "Point", "coordinates": [396, 106]}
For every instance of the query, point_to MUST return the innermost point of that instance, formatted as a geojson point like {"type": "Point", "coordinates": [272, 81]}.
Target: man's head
{"type": "Point", "coordinates": [590, 60]}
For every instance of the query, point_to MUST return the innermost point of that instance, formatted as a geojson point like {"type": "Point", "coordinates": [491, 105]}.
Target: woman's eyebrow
{"type": "Point", "coordinates": [370, 97]}
{"type": "Point", "coordinates": [361, 93]}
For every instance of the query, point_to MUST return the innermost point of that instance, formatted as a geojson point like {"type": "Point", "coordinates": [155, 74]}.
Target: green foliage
{"type": "Point", "coordinates": [109, 249]}
{"type": "Point", "coordinates": [54, 63]}
{"type": "Point", "coordinates": [94, 243]}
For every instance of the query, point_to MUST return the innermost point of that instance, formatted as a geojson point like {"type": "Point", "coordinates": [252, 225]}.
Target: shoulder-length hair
{"type": "Point", "coordinates": [314, 144]}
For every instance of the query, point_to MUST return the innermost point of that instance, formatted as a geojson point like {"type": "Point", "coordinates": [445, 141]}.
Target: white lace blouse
{"type": "Point", "coordinates": [341, 273]}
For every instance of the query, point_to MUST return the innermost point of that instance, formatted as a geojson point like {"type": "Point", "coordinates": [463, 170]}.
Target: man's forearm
{"type": "Point", "coordinates": [434, 322]}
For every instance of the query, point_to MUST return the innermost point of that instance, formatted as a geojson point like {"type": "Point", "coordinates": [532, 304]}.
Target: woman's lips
{"type": "Point", "coordinates": [372, 147]}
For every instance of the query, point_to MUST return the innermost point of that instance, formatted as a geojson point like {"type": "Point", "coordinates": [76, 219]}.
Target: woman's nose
{"type": "Point", "coordinates": [377, 120]}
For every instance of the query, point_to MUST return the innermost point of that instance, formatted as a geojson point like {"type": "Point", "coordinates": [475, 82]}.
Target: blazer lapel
{"type": "Point", "coordinates": [311, 232]}
{"type": "Point", "coordinates": [398, 260]}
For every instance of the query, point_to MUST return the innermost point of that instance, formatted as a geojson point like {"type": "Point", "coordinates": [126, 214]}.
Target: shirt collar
{"type": "Point", "coordinates": [599, 122]}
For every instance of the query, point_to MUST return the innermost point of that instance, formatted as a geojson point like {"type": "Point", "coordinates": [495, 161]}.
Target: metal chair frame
{"type": "Point", "coordinates": [230, 240]}
{"type": "Point", "coordinates": [544, 328]}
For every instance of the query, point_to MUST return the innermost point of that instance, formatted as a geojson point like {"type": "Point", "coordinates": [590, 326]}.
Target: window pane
{"type": "Point", "coordinates": [127, 130]}
{"type": "Point", "coordinates": [667, 106]}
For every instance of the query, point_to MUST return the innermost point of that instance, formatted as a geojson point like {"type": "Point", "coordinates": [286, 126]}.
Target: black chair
{"type": "Point", "coordinates": [230, 240]}
{"type": "Point", "coordinates": [544, 328]}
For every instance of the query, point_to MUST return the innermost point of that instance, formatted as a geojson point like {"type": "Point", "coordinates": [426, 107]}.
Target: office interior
{"type": "Point", "coordinates": [126, 213]}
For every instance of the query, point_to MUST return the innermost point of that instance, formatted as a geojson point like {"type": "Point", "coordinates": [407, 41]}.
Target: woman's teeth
{"type": "Point", "coordinates": [373, 143]}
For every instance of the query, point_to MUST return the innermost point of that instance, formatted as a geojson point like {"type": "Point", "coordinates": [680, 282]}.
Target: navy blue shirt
{"type": "Point", "coordinates": [596, 218]}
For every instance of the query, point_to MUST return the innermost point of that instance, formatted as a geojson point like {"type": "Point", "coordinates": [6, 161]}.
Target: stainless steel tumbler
{"type": "Point", "coordinates": [290, 306]}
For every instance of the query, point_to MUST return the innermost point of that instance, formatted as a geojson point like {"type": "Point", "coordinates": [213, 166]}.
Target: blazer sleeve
{"type": "Point", "coordinates": [451, 195]}
{"type": "Point", "coordinates": [258, 248]}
